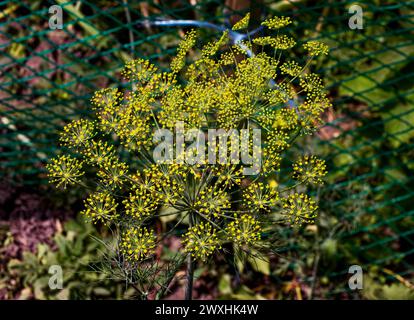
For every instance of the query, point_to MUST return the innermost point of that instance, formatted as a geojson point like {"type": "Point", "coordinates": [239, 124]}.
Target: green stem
{"type": "Point", "coordinates": [190, 270]}
{"type": "Point", "coordinates": [190, 276]}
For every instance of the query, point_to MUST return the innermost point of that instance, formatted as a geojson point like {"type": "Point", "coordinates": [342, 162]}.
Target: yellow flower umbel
{"type": "Point", "coordinates": [64, 170]}
{"type": "Point", "coordinates": [299, 209]}
{"type": "Point", "coordinates": [229, 175]}
{"type": "Point", "coordinates": [242, 23]}
{"type": "Point", "coordinates": [139, 70]}
{"type": "Point", "coordinates": [113, 173]}
{"type": "Point", "coordinates": [277, 22]}
{"type": "Point", "coordinates": [106, 98]}
{"type": "Point", "coordinates": [212, 201]}
{"type": "Point", "coordinates": [141, 203]}
{"type": "Point", "coordinates": [311, 83]}
{"type": "Point", "coordinates": [137, 244]}
{"type": "Point", "coordinates": [99, 152]}
{"type": "Point", "coordinates": [100, 207]}
{"type": "Point", "coordinates": [210, 49]}
{"type": "Point", "coordinates": [260, 197]}
{"type": "Point", "coordinates": [162, 184]}
{"type": "Point", "coordinates": [282, 42]}
{"type": "Point", "coordinates": [77, 133]}
{"type": "Point", "coordinates": [179, 60]}
{"type": "Point", "coordinates": [107, 104]}
{"type": "Point", "coordinates": [316, 48]}
{"type": "Point", "coordinates": [244, 230]}
{"type": "Point", "coordinates": [291, 68]}
{"type": "Point", "coordinates": [201, 241]}
{"type": "Point", "coordinates": [254, 85]}
{"type": "Point", "coordinates": [309, 169]}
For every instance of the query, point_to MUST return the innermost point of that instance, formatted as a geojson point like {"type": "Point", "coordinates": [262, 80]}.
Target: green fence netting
{"type": "Point", "coordinates": [48, 76]}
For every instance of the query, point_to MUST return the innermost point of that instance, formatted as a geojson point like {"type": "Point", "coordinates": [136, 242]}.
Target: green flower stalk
{"type": "Point", "coordinates": [214, 204]}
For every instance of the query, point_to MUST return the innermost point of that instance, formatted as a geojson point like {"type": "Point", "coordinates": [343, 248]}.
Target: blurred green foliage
{"type": "Point", "coordinates": [76, 250]}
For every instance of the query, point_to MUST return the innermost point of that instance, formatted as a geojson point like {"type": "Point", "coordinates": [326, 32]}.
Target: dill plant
{"type": "Point", "coordinates": [216, 206]}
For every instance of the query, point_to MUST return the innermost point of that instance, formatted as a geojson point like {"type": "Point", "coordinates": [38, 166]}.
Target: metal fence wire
{"type": "Point", "coordinates": [48, 76]}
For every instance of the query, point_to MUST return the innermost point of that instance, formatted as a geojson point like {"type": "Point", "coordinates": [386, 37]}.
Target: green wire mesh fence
{"type": "Point", "coordinates": [48, 76]}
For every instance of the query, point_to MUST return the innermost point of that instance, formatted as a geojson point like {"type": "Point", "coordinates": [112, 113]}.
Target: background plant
{"type": "Point", "coordinates": [77, 252]}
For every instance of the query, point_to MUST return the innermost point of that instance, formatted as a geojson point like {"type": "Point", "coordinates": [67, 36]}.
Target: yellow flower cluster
{"type": "Point", "coordinates": [163, 185]}
{"type": "Point", "coordinates": [250, 82]}
{"type": "Point", "coordinates": [242, 23]}
{"type": "Point", "coordinates": [141, 203]}
{"type": "Point", "coordinates": [139, 70]}
{"type": "Point", "coordinates": [260, 197]}
{"type": "Point", "coordinates": [134, 132]}
{"type": "Point", "coordinates": [309, 169]}
{"type": "Point", "coordinates": [113, 173]}
{"type": "Point", "coordinates": [281, 95]}
{"type": "Point", "coordinates": [276, 141]}
{"type": "Point", "coordinates": [244, 230]}
{"type": "Point", "coordinates": [311, 110]}
{"type": "Point", "coordinates": [241, 48]}
{"type": "Point", "coordinates": [77, 133]}
{"type": "Point", "coordinates": [271, 161]}
{"type": "Point", "coordinates": [277, 22]}
{"type": "Point", "coordinates": [100, 207]}
{"type": "Point", "coordinates": [178, 62]}
{"type": "Point", "coordinates": [228, 175]}
{"type": "Point", "coordinates": [299, 209]}
{"type": "Point", "coordinates": [223, 87]}
{"type": "Point", "coordinates": [64, 170]}
{"type": "Point", "coordinates": [211, 48]}
{"type": "Point", "coordinates": [201, 241]}
{"type": "Point", "coordinates": [311, 83]}
{"type": "Point", "coordinates": [131, 120]}
{"type": "Point", "coordinates": [291, 68]}
{"type": "Point", "coordinates": [226, 59]}
{"type": "Point", "coordinates": [137, 244]}
{"type": "Point", "coordinates": [99, 152]}
{"type": "Point", "coordinates": [212, 201]}
{"type": "Point", "coordinates": [106, 98]}
{"type": "Point", "coordinates": [162, 83]}
{"type": "Point", "coordinates": [316, 48]}
{"type": "Point", "coordinates": [284, 119]}
{"type": "Point", "coordinates": [107, 104]}
{"type": "Point", "coordinates": [281, 42]}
